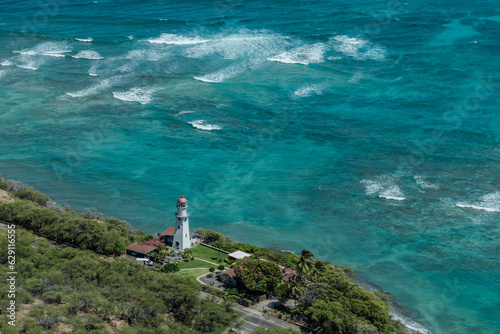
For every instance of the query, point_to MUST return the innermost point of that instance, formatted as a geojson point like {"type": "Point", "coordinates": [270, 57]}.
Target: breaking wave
{"type": "Point", "coordinates": [305, 55]}
{"type": "Point", "coordinates": [307, 91]}
{"type": "Point", "coordinates": [88, 54]}
{"type": "Point", "coordinates": [384, 187]}
{"type": "Point", "coordinates": [357, 48]}
{"type": "Point", "coordinates": [490, 203]}
{"type": "Point", "coordinates": [141, 95]}
{"type": "Point", "coordinates": [201, 125]}
{"type": "Point", "coordinates": [176, 40]}
{"type": "Point", "coordinates": [88, 39]}
{"type": "Point", "coordinates": [95, 89]}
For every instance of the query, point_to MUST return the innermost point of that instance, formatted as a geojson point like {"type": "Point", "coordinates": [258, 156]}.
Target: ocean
{"type": "Point", "coordinates": [365, 131]}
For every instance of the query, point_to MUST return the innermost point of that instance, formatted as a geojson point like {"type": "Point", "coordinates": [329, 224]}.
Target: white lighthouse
{"type": "Point", "coordinates": [182, 238]}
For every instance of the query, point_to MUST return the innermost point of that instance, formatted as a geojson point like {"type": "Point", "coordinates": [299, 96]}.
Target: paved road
{"type": "Point", "coordinates": [253, 319]}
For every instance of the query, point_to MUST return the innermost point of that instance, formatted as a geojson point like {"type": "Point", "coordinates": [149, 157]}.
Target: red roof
{"type": "Point", "coordinates": [141, 247]}
{"type": "Point", "coordinates": [230, 272]}
{"type": "Point", "coordinates": [182, 200]}
{"type": "Point", "coordinates": [154, 242]}
{"type": "Point", "coordinates": [287, 277]}
{"type": "Point", "coordinates": [287, 271]}
{"type": "Point", "coordinates": [169, 232]}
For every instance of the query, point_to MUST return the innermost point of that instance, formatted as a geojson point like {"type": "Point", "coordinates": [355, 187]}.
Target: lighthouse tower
{"type": "Point", "coordinates": [181, 239]}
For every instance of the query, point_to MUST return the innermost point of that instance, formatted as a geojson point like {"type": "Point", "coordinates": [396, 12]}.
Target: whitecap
{"type": "Point", "coordinates": [88, 54]}
{"type": "Point", "coordinates": [307, 91]}
{"type": "Point", "coordinates": [223, 74]}
{"type": "Point", "coordinates": [185, 112]}
{"type": "Point", "coordinates": [6, 63]}
{"type": "Point", "coordinates": [26, 53]}
{"type": "Point", "coordinates": [489, 202]}
{"type": "Point", "coordinates": [93, 70]}
{"type": "Point", "coordinates": [55, 54]}
{"type": "Point", "coordinates": [176, 40]}
{"type": "Point", "coordinates": [357, 48]}
{"type": "Point", "coordinates": [52, 49]}
{"type": "Point", "coordinates": [141, 95]}
{"type": "Point", "coordinates": [244, 45]}
{"type": "Point", "coordinates": [423, 183]}
{"type": "Point", "coordinates": [305, 55]}
{"type": "Point", "coordinates": [384, 187]}
{"type": "Point", "coordinates": [88, 39]}
{"type": "Point", "coordinates": [95, 89]}
{"type": "Point", "coordinates": [201, 125]}
{"type": "Point", "coordinates": [29, 65]}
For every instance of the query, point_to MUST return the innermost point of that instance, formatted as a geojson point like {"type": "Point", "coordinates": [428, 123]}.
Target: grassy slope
{"type": "Point", "coordinates": [208, 254]}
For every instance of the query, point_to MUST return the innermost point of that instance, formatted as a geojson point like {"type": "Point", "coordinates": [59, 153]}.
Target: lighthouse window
{"type": "Point", "coordinates": [186, 235]}
{"type": "Point", "coordinates": [179, 226]}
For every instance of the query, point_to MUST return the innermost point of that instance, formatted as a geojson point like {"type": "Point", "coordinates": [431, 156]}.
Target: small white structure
{"type": "Point", "coordinates": [238, 255]}
{"type": "Point", "coordinates": [181, 238]}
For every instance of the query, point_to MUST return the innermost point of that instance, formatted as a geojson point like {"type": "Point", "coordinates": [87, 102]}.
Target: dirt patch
{"type": "Point", "coordinates": [5, 196]}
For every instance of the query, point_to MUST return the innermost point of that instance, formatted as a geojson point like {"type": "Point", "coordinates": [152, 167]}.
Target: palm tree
{"type": "Point", "coordinates": [318, 268]}
{"type": "Point", "coordinates": [305, 263]}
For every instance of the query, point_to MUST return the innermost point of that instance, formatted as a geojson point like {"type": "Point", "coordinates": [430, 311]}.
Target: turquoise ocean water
{"type": "Point", "coordinates": [365, 131]}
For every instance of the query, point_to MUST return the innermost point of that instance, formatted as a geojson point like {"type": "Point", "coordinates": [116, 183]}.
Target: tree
{"type": "Point", "coordinates": [258, 276]}
{"type": "Point", "coordinates": [170, 267]}
{"type": "Point", "coordinates": [305, 262]}
{"type": "Point", "coordinates": [188, 253]}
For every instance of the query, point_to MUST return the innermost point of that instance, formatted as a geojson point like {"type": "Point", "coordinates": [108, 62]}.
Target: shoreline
{"type": "Point", "coordinates": [396, 311]}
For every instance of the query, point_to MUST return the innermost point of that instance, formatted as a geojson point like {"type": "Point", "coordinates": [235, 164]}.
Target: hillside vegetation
{"type": "Point", "coordinates": [65, 290]}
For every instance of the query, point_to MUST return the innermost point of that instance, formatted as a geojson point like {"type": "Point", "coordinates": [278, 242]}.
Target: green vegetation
{"type": "Point", "coordinates": [84, 293]}
{"type": "Point", "coordinates": [193, 273]}
{"type": "Point", "coordinates": [194, 264]}
{"type": "Point", "coordinates": [258, 277]}
{"type": "Point", "coordinates": [219, 240]}
{"type": "Point", "coordinates": [208, 254]}
{"type": "Point", "coordinates": [263, 330]}
{"type": "Point", "coordinates": [325, 296]}
{"type": "Point", "coordinates": [34, 211]}
{"type": "Point", "coordinates": [77, 289]}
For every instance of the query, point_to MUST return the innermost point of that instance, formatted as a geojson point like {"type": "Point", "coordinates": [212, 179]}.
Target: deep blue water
{"type": "Point", "coordinates": [365, 131]}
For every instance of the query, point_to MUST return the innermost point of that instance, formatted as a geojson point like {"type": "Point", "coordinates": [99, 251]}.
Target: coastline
{"type": "Point", "coordinates": [396, 312]}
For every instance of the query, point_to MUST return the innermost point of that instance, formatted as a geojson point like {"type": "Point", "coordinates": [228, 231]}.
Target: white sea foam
{"type": "Point", "coordinates": [88, 39]}
{"type": "Point", "coordinates": [26, 53]}
{"type": "Point", "coordinates": [410, 324]}
{"type": "Point", "coordinates": [135, 94]}
{"type": "Point", "coordinates": [200, 124]}
{"type": "Point", "coordinates": [423, 183]}
{"type": "Point", "coordinates": [93, 70]}
{"type": "Point", "coordinates": [88, 54]}
{"type": "Point", "coordinates": [305, 55]}
{"type": "Point", "coordinates": [176, 40]}
{"type": "Point", "coordinates": [489, 202]}
{"type": "Point", "coordinates": [357, 48]}
{"type": "Point", "coordinates": [384, 187]}
{"type": "Point", "coordinates": [6, 63]}
{"type": "Point", "coordinates": [29, 64]}
{"type": "Point", "coordinates": [307, 91]}
{"type": "Point", "coordinates": [223, 74]}
{"type": "Point", "coordinates": [51, 49]}
{"type": "Point", "coordinates": [55, 54]}
{"type": "Point", "coordinates": [245, 45]}
{"type": "Point", "coordinates": [185, 112]}
{"type": "Point", "coordinates": [94, 89]}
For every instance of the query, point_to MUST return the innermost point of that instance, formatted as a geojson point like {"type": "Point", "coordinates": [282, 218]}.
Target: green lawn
{"type": "Point", "coordinates": [193, 273]}
{"type": "Point", "coordinates": [208, 254]}
{"type": "Point", "coordinates": [195, 264]}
